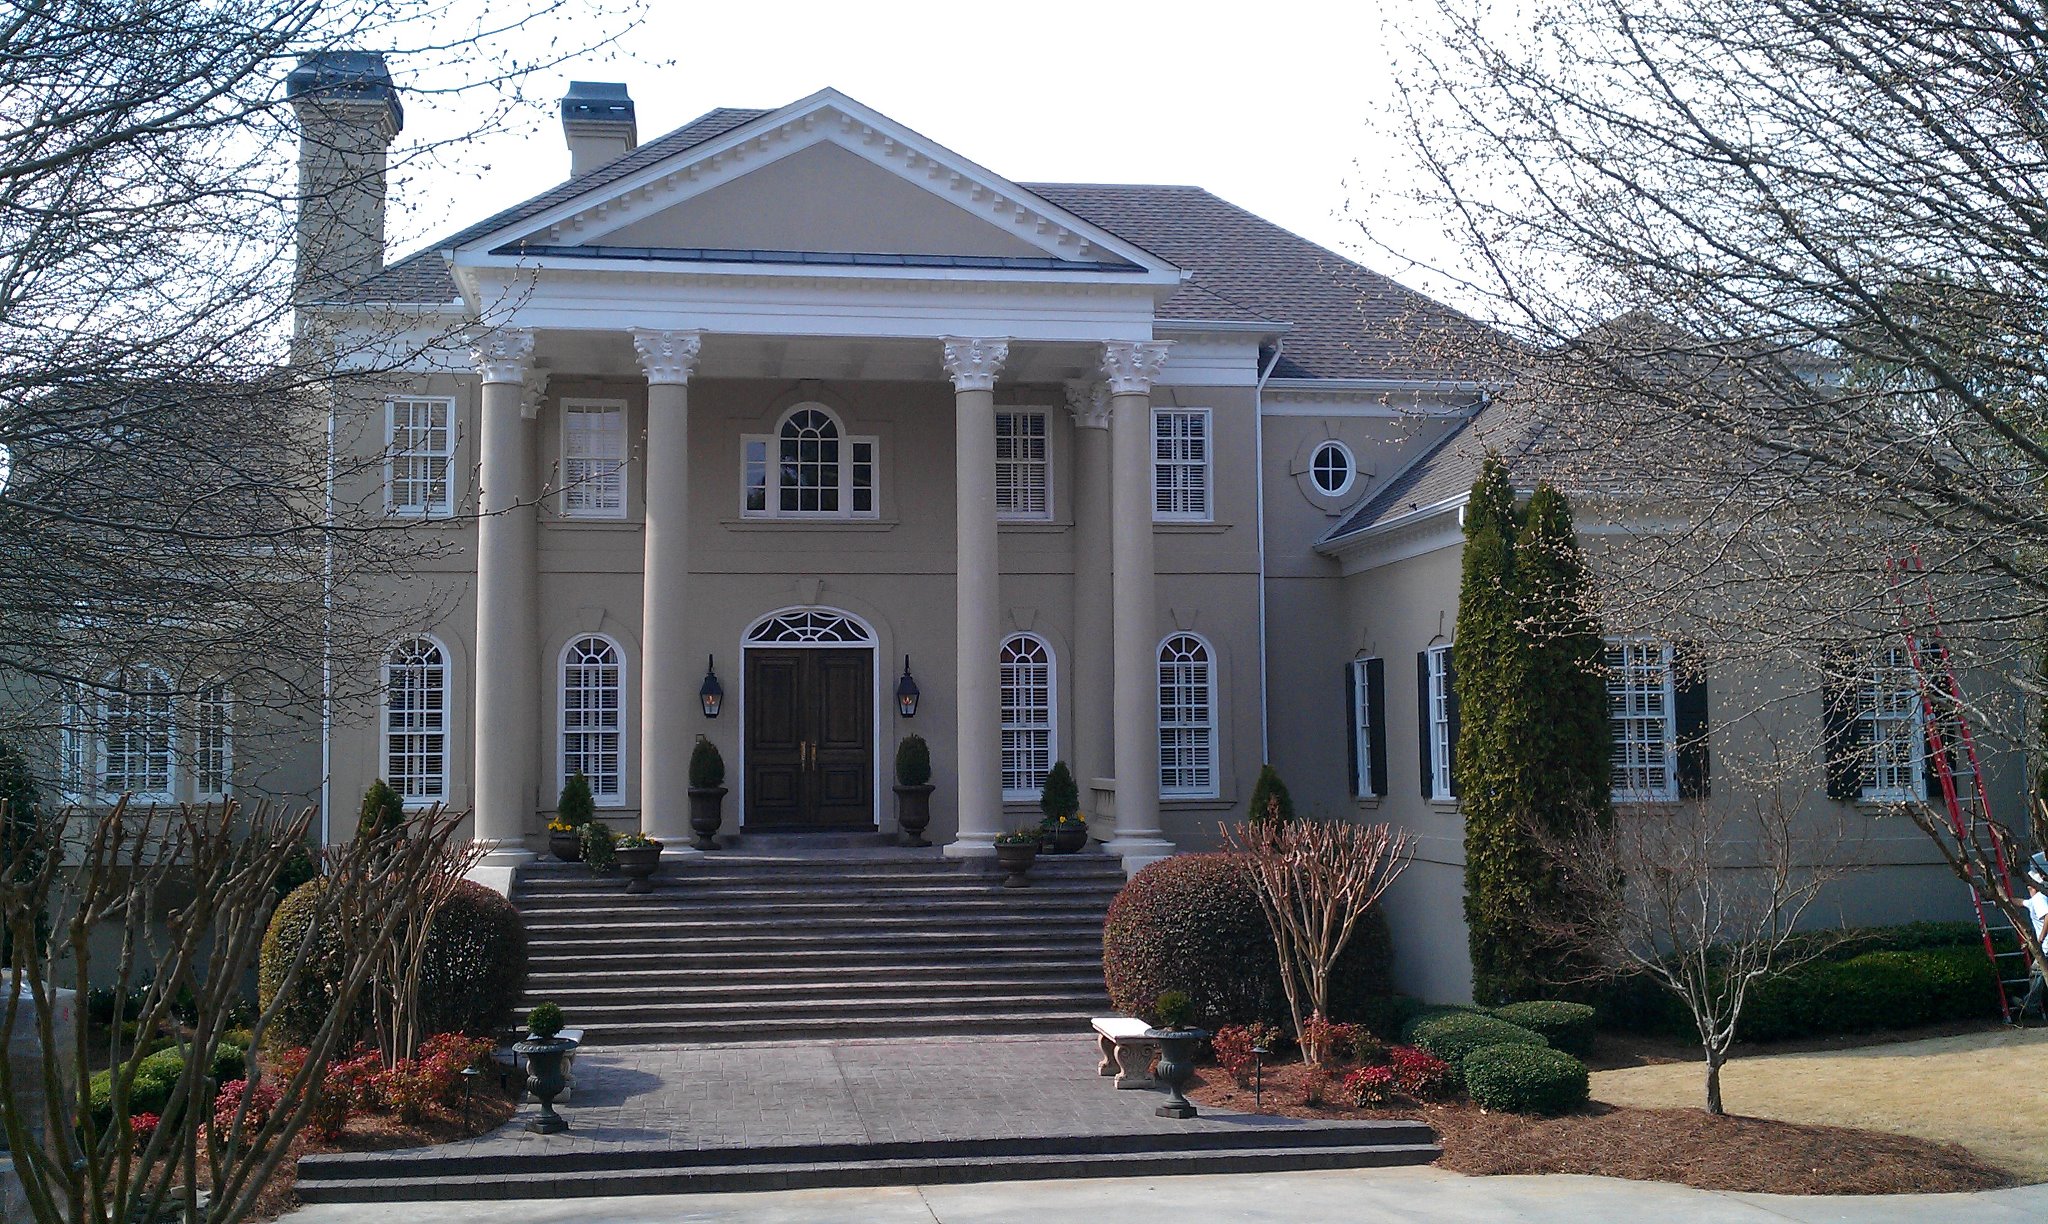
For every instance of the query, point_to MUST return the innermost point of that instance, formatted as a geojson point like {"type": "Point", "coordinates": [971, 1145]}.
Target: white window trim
{"type": "Point", "coordinates": [227, 744]}
{"type": "Point", "coordinates": [772, 472]}
{"type": "Point", "coordinates": [98, 749]}
{"type": "Point", "coordinates": [562, 772]}
{"type": "Point", "coordinates": [1667, 793]}
{"type": "Point", "coordinates": [446, 506]}
{"type": "Point", "coordinates": [1361, 730]}
{"type": "Point", "coordinates": [1208, 465]}
{"type": "Point", "coordinates": [1045, 419]}
{"type": "Point", "coordinates": [447, 723]}
{"type": "Point", "coordinates": [1350, 468]}
{"type": "Point", "coordinates": [1052, 711]}
{"type": "Point", "coordinates": [1441, 749]}
{"type": "Point", "coordinates": [569, 409]}
{"type": "Point", "coordinates": [1868, 791]}
{"type": "Point", "coordinates": [1215, 754]}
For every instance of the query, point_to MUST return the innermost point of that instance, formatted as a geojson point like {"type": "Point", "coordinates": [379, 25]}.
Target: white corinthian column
{"type": "Point", "coordinates": [977, 691]}
{"type": "Point", "coordinates": [1130, 368]}
{"type": "Point", "coordinates": [669, 711]}
{"type": "Point", "coordinates": [507, 697]}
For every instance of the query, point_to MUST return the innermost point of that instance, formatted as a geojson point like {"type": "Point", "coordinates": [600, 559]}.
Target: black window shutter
{"type": "Point", "coordinates": [1376, 724]}
{"type": "Point", "coordinates": [1931, 780]}
{"type": "Point", "coordinates": [1689, 695]}
{"type": "Point", "coordinates": [1351, 723]}
{"type": "Point", "coordinates": [1451, 717]}
{"type": "Point", "coordinates": [1422, 719]}
{"type": "Point", "coordinates": [1839, 736]}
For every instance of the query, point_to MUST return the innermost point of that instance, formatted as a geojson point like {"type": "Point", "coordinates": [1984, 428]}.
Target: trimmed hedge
{"type": "Point", "coordinates": [1525, 1079]}
{"type": "Point", "coordinates": [1876, 990]}
{"type": "Point", "coordinates": [1453, 1037]}
{"type": "Point", "coordinates": [475, 967]}
{"type": "Point", "coordinates": [1566, 1026]}
{"type": "Point", "coordinates": [1192, 923]}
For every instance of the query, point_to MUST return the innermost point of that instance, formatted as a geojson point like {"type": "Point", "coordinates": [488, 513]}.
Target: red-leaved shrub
{"type": "Point", "coordinates": [1420, 1075]}
{"type": "Point", "coordinates": [1234, 1044]}
{"type": "Point", "coordinates": [143, 1125]}
{"type": "Point", "coordinates": [1315, 1085]}
{"type": "Point", "coordinates": [262, 1098]}
{"type": "Point", "coordinates": [1370, 1087]}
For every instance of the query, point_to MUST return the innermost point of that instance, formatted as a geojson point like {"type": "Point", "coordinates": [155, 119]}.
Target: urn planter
{"type": "Point", "coordinates": [638, 864]}
{"type": "Point", "coordinates": [1069, 838]}
{"type": "Point", "coordinates": [567, 847]}
{"type": "Point", "coordinates": [707, 812]}
{"type": "Point", "coordinates": [544, 1057]}
{"type": "Point", "coordinates": [1016, 858]}
{"type": "Point", "coordinates": [1176, 1066]}
{"type": "Point", "coordinates": [914, 812]}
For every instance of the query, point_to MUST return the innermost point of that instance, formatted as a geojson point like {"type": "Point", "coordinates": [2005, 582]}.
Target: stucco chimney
{"type": "Point", "coordinates": [597, 121]}
{"type": "Point", "coordinates": [348, 116]}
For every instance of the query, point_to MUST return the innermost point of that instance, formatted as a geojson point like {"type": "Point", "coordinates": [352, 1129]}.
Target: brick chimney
{"type": "Point", "coordinates": [597, 121]}
{"type": "Point", "coordinates": [349, 114]}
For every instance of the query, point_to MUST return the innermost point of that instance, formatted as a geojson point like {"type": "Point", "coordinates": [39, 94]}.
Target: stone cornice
{"type": "Point", "coordinates": [973, 363]}
{"type": "Point", "coordinates": [668, 357]}
{"type": "Point", "coordinates": [1089, 404]}
{"type": "Point", "coordinates": [1132, 366]}
{"type": "Point", "coordinates": [503, 355]}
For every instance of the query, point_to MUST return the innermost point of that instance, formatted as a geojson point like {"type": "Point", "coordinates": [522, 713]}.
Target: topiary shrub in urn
{"type": "Point", "coordinates": [707, 794]}
{"type": "Point", "coordinates": [1065, 832]}
{"type": "Point", "coordinates": [544, 1052]}
{"type": "Point", "coordinates": [913, 789]}
{"type": "Point", "coordinates": [576, 808]}
{"type": "Point", "coordinates": [1173, 1026]}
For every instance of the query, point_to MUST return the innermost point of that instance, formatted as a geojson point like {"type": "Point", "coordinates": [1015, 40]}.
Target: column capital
{"type": "Point", "coordinates": [668, 357]}
{"type": "Point", "coordinates": [531, 389]}
{"type": "Point", "coordinates": [1132, 366]}
{"type": "Point", "coordinates": [1089, 404]}
{"type": "Point", "coordinates": [502, 355]}
{"type": "Point", "coordinates": [972, 363]}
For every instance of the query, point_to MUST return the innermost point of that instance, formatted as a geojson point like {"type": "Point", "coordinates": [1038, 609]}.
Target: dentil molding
{"type": "Point", "coordinates": [503, 355]}
{"type": "Point", "coordinates": [973, 363]}
{"type": "Point", "coordinates": [1132, 366]}
{"type": "Point", "coordinates": [668, 357]}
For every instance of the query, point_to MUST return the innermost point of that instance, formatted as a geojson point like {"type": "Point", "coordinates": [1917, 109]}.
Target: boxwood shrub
{"type": "Point", "coordinates": [1451, 1037]}
{"type": "Point", "coordinates": [1566, 1026]}
{"type": "Point", "coordinates": [1876, 990]}
{"type": "Point", "coordinates": [1192, 923]}
{"type": "Point", "coordinates": [1525, 1079]}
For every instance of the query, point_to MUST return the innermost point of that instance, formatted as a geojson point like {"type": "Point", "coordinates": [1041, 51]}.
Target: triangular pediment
{"type": "Point", "coordinates": [827, 179]}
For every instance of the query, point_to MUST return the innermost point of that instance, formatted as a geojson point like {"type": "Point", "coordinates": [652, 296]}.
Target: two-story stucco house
{"type": "Point", "coordinates": [798, 406]}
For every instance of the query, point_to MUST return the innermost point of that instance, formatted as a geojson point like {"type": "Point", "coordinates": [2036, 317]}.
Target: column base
{"type": "Point", "coordinates": [1139, 853]}
{"type": "Point", "coordinates": [971, 845]}
{"type": "Point", "coordinates": [675, 851]}
{"type": "Point", "coordinates": [499, 870]}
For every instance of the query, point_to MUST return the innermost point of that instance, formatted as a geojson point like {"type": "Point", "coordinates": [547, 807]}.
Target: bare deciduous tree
{"type": "Point", "coordinates": [396, 1003]}
{"type": "Point", "coordinates": [1315, 879]}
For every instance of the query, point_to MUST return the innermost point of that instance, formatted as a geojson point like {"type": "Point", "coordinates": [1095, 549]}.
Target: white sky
{"type": "Point", "coordinates": [1266, 105]}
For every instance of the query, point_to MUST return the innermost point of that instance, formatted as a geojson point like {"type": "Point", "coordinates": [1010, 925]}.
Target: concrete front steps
{"type": "Point", "coordinates": [1270, 1146]}
{"type": "Point", "coordinates": [835, 942]}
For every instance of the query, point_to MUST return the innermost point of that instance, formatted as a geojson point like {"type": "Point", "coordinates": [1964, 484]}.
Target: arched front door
{"type": "Point", "coordinates": [809, 754]}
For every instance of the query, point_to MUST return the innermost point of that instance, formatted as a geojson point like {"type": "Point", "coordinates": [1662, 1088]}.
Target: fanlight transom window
{"type": "Point", "coordinates": [800, 626]}
{"type": "Point", "coordinates": [809, 468]}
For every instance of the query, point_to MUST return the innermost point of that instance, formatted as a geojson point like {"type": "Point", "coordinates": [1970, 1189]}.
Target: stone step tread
{"type": "Point", "coordinates": [591, 1004]}
{"type": "Point", "coordinates": [938, 923]}
{"type": "Point", "coordinates": [820, 1028]}
{"type": "Point", "coordinates": [825, 974]}
{"type": "Point", "coordinates": [724, 868]}
{"type": "Point", "coordinates": [705, 909]}
{"type": "Point", "coordinates": [986, 894]}
{"type": "Point", "coordinates": [901, 1171]}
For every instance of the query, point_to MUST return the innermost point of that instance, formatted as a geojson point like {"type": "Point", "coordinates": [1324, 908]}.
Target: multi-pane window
{"type": "Point", "coordinates": [1360, 690]}
{"type": "Point", "coordinates": [1187, 717]}
{"type": "Point", "coordinates": [809, 468]}
{"type": "Point", "coordinates": [419, 455]}
{"type": "Point", "coordinates": [1332, 468]}
{"type": "Point", "coordinates": [1642, 700]}
{"type": "Point", "coordinates": [136, 735]}
{"type": "Point", "coordinates": [1027, 716]}
{"type": "Point", "coordinates": [1443, 735]}
{"type": "Point", "coordinates": [416, 721]}
{"type": "Point", "coordinates": [1180, 463]}
{"type": "Point", "coordinates": [1023, 466]}
{"type": "Point", "coordinates": [593, 713]}
{"type": "Point", "coordinates": [593, 459]}
{"type": "Point", "coordinates": [212, 742]}
{"type": "Point", "coordinates": [1892, 730]}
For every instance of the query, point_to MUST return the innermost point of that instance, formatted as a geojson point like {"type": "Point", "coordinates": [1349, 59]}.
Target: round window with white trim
{"type": "Point", "coordinates": [1332, 469]}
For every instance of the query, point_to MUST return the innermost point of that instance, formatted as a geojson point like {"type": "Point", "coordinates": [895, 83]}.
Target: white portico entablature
{"type": "Point", "coordinates": [822, 218]}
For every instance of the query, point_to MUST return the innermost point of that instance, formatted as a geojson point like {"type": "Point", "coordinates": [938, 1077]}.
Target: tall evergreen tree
{"type": "Point", "coordinates": [20, 833]}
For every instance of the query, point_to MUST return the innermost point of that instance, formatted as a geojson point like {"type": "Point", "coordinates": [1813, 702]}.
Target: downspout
{"type": "Point", "coordinates": [1259, 470]}
{"type": "Point", "coordinates": [327, 640]}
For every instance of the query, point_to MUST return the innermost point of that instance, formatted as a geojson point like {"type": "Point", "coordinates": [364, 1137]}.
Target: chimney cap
{"type": "Point", "coordinates": [601, 101]}
{"type": "Point", "coordinates": [346, 76]}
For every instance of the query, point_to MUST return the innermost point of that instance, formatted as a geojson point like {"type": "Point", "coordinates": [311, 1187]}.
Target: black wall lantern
{"type": "Point", "coordinates": [713, 693]}
{"type": "Point", "coordinates": [906, 692]}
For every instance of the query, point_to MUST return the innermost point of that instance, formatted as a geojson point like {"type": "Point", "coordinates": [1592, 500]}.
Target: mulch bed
{"type": "Point", "coordinates": [376, 1133]}
{"type": "Point", "coordinates": [1687, 1146]}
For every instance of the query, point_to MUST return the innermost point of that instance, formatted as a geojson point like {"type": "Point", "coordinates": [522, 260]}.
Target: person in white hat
{"type": "Point", "coordinates": [2037, 912]}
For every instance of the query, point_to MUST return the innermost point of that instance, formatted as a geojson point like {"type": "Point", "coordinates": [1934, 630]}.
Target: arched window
{"type": "Point", "coordinates": [809, 468]}
{"type": "Point", "coordinates": [1027, 716]}
{"type": "Point", "coordinates": [1187, 717]}
{"type": "Point", "coordinates": [135, 713]}
{"type": "Point", "coordinates": [593, 717]}
{"type": "Point", "coordinates": [416, 720]}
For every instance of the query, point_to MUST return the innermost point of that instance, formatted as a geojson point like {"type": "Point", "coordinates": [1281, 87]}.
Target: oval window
{"type": "Point", "coordinates": [1331, 468]}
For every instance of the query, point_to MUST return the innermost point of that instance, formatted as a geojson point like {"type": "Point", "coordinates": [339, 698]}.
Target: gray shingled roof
{"type": "Point", "coordinates": [1344, 320]}
{"type": "Point", "coordinates": [1447, 469]}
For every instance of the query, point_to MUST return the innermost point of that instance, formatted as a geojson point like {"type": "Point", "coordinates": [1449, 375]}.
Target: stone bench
{"type": "Point", "coordinates": [1126, 1051]}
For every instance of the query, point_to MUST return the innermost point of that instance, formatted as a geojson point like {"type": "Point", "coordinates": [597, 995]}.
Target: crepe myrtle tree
{"type": "Point", "coordinates": [1778, 271]}
{"type": "Point", "coordinates": [172, 503]}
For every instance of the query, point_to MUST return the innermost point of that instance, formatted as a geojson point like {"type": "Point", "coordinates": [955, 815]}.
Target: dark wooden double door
{"type": "Point", "coordinates": [810, 739]}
